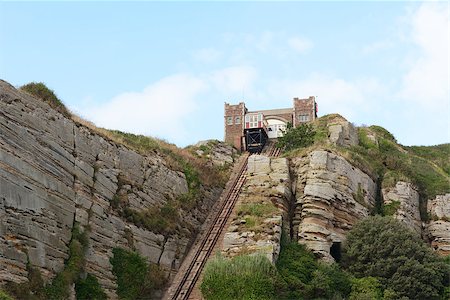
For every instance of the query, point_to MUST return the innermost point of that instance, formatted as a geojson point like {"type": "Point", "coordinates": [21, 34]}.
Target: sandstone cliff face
{"type": "Point", "coordinates": [438, 229]}
{"type": "Point", "coordinates": [261, 211]}
{"type": "Point", "coordinates": [328, 195]}
{"type": "Point", "coordinates": [342, 133]}
{"type": "Point", "coordinates": [54, 172]}
{"type": "Point", "coordinates": [403, 199]}
{"type": "Point", "coordinates": [331, 195]}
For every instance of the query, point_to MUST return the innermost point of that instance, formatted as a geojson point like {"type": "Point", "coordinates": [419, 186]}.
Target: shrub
{"type": "Point", "coordinates": [243, 277]}
{"type": "Point", "coordinates": [366, 288]}
{"type": "Point", "coordinates": [329, 282]}
{"type": "Point", "coordinates": [296, 266]}
{"type": "Point", "coordinates": [298, 137]}
{"type": "Point", "coordinates": [383, 247]}
{"type": "Point", "coordinates": [89, 288]}
{"type": "Point", "coordinates": [135, 279]}
{"type": "Point", "coordinates": [41, 91]}
{"type": "Point", "coordinates": [59, 287]}
{"type": "Point", "coordinates": [5, 296]}
{"type": "Point", "coordinates": [391, 208]}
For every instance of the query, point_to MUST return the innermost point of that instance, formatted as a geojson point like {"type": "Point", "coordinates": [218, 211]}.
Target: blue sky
{"type": "Point", "coordinates": [165, 69]}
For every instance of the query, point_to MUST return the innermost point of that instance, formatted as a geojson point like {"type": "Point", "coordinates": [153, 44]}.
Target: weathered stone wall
{"type": "Point", "coordinates": [405, 198]}
{"type": "Point", "coordinates": [331, 195]}
{"type": "Point", "coordinates": [54, 172]}
{"type": "Point", "coordinates": [264, 199]}
{"type": "Point", "coordinates": [438, 229]}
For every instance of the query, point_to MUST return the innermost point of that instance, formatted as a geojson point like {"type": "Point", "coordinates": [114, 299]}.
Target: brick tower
{"type": "Point", "coordinates": [234, 124]}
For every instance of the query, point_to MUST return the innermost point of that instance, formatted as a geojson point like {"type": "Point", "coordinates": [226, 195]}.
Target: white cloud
{"type": "Point", "coordinates": [158, 110]}
{"type": "Point", "coordinates": [334, 95]}
{"type": "Point", "coordinates": [164, 108]}
{"type": "Point", "coordinates": [427, 79]}
{"type": "Point", "coordinates": [208, 55]}
{"type": "Point", "coordinates": [234, 79]}
{"type": "Point", "coordinates": [299, 44]}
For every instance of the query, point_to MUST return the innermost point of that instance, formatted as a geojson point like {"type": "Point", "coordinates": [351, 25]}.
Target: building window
{"type": "Point", "coordinates": [303, 118]}
{"type": "Point", "coordinates": [253, 121]}
{"type": "Point", "coordinates": [229, 120]}
{"type": "Point", "coordinates": [237, 120]}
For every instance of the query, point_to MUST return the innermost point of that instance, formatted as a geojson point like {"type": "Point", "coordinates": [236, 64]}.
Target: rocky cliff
{"type": "Point", "coordinates": [317, 194]}
{"type": "Point", "coordinates": [56, 174]}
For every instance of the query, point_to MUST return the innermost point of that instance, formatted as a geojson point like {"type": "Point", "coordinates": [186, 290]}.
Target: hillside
{"type": "Point", "coordinates": [74, 196]}
{"type": "Point", "coordinates": [87, 212]}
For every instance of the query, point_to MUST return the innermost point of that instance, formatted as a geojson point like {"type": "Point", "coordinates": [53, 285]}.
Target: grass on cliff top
{"type": "Point", "coordinates": [41, 91]}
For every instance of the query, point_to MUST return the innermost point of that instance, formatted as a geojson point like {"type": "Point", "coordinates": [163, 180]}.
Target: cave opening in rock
{"type": "Point", "coordinates": [335, 251]}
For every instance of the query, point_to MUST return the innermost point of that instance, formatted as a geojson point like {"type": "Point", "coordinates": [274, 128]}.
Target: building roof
{"type": "Point", "coordinates": [269, 112]}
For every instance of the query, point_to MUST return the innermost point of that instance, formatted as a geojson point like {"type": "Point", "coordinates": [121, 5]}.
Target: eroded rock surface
{"type": "Point", "coordinates": [404, 199]}
{"type": "Point", "coordinates": [54, 172]}
{"type": "Point", "coordinates": [331, 195]}
{"type": "Point", "coordinates": [342, 133]}
{"type": "Point", "coordinates": [438, 229]}
{"type": "Point", "coordinates": [261, 211]}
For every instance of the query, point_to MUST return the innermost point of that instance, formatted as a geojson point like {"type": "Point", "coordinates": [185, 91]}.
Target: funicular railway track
{"type": "Point", "coordinates": [271, 150]}
{"type": "Point", "coordinates": [182, 289]}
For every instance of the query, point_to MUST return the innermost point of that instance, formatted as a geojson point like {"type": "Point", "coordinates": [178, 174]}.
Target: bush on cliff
{"type": "Point", "coordinates": [384, 248]}
{"type": "Point", "coordinates": [135, 278]}
{"type": "Point", "coordinates": [298, 137]}
{"type": "Point", "coordinates": [41, 91]}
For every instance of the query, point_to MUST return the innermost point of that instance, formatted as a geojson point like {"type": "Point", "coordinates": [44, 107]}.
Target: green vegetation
{"type": "Point", "coordinates": [298, 137]}
{"type": "Point", "coordinates": [89, 288]}
{"type": "Point", "coordinates": [163, 220]}
{"type": "Point", "coordinates": [393, 163]}
{"type": "Point", "coordinates": [405, 266]}
{"type": "Point", "coordinates": [391, 208]}
{"type": "Point", "coordinates": [59, 288]}
{"type": "Point", "coordinates": [41, 91]}
{"type": "Point", "coordinates": [439, 155]}
{"type": "Point", "coordinates": [135, 278]}
{"type": "Point", "coordinates": [366, 288]}
{"type": "Point", "coordinates": [302, 277]}
{"type": "Point", "coordinates": [243, 277]}
{"type": "Point", "coordinates": [5, 296]}
{"type": "Point", "coordinates": [255, 213]}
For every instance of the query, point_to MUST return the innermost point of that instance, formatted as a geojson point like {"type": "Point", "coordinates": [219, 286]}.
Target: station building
{"type": "Point", "coordinates": [249, 130]}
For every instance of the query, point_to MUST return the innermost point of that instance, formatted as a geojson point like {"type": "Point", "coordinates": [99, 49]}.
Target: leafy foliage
{"type": "Point", "coordinates": [59, 288]}
{"type": "Point", "coordinates": [366, 288]}
{"type": "Point", "coordinates": [135, 279]}
{"type": "Point", "coordinates": [40, 90]}
{"type": "Point", "coordinates": [439, 154]}
{"type": "Point", "coordinates": [89, 288]}
{"type": "Point", "coordinates": [302, 277]}
{"type": "Point", "coordinates": [243, 277]}
{"type": "Point", "coordinates": [5, 296]}
{"type": "Point", "coordinates": [296, 266]}
{"type": "Point", "coordinates": [382, 247]}
{"type": "Point", "coordinates": [300, 136]}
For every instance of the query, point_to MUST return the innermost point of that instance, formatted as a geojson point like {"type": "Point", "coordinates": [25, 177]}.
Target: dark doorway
{"type": "Point", "coordinates": [335, 251]}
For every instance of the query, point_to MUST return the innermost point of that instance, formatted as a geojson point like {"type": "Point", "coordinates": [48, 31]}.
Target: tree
{"type": "Point", "coordinates": [300, 136]}
{"type": "Point", "coordinates": [383, 247]}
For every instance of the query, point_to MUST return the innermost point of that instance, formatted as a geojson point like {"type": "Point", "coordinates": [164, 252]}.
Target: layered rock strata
{"type": "Point", "coordinates": [55, 172]}
{"type": "Point", "coordinates": [261, 212]}
{"type": "Point", "coordinates": [403, 199]}
{"type": "Point", "coordinates": [331, 195]}
{"type": "Point", "coordinates": [438, 229]}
